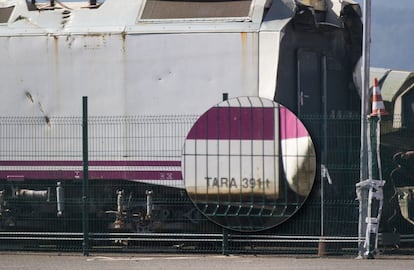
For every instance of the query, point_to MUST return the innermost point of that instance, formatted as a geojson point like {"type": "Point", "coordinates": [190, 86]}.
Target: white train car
{"type": "Point", "coordinates": [159, 61]}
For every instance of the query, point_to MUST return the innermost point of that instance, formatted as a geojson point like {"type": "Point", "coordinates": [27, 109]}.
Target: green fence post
{"type": "Point", "coordinates": [373, 121]}
{"type": "Point", "coordinates": [85, 217]}
{"type": "Point", "coordinates": [225, 243]}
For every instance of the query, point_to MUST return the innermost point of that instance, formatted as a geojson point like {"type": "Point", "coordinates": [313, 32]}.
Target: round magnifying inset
{"type": "Point", "coordinates": [248, 164]}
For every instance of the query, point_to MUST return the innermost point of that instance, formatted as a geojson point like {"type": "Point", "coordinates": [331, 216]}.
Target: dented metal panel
{"type": "Point", "coordinates": [138, 73]}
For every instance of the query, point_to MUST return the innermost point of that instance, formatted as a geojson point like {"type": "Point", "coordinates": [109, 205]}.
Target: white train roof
{"type": "Point", "coordinates": [21, 16]}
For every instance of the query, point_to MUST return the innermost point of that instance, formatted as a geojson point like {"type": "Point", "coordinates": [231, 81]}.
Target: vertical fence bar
{"type": "Point", "coordinates": [324, 159]}
{"type": "Point", "coordinates": [85, 217]}
{"type": "Point", "coordinates": [225, 243]}
{"type": "Point", "coordinates": [364, 122]}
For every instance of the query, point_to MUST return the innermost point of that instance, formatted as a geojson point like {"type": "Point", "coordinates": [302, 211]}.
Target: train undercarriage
{"type": "Point", "coordinates": [129, 207]}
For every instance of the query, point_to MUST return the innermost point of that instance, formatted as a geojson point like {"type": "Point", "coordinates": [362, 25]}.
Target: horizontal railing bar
{"type": "Point", "coordinates": [170, 237]}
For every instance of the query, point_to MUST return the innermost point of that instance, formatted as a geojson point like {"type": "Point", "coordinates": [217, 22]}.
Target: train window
{"type": "Point", "coordinates": [5, 13]}
{"type": "Point", "coordinates": [47, 5]}
{"type": "Point", "coordinates": [193, 9]}
{"type": "Point", "coordinates": [408, 109]}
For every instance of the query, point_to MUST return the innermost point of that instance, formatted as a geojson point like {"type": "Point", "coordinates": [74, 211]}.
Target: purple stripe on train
{"type": "Point", "coordinates": [148, 163]}
{"type": "Point", "coordinates": [290, 126]}
{"type": "Point", "coordinates": [19, 175]}
{"type": "Point", "coordinates": [235, 123]}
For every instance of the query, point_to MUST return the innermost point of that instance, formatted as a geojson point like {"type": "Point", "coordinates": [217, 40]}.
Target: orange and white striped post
{"type": "Point", "coordinates": [378, 108]}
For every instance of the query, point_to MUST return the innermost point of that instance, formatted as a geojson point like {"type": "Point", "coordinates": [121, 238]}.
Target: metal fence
{"type": "Point", "coordinates": [41, 200]}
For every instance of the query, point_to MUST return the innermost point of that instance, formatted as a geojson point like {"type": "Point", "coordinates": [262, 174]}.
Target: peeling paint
{"type": "Point", "coordinates": [123, 36]}
{"type": "Point", "coordinates": [94, 41]}
{"type": "Point", "coordinates": [70, 39]}
{"type": "Point", "coordinates": [29, 96]}
{"type": "Point", "coordinates": [47, 119]}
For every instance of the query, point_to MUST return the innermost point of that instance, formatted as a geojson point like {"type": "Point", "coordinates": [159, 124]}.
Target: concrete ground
{"type": "Point", "coordinates": [69, 261]}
